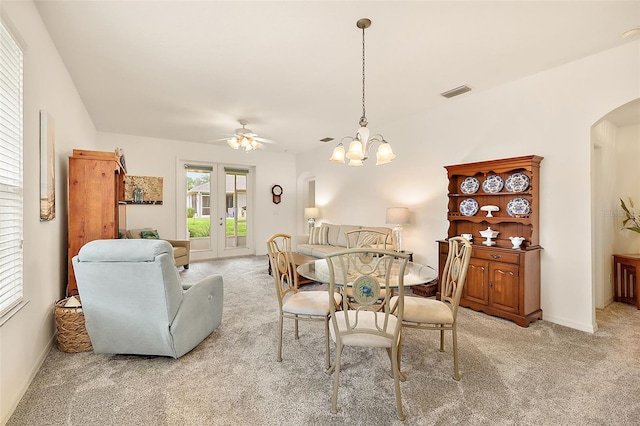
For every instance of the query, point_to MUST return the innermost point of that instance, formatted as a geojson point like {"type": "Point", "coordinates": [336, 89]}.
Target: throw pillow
{"type": "Point", "coordinates": [150, 234]}
{"type": "Point", "coordinates": [319, 235]}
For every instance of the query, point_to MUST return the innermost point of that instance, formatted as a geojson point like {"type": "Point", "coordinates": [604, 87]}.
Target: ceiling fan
{"type": "Point", "coordinates": [244, 139]}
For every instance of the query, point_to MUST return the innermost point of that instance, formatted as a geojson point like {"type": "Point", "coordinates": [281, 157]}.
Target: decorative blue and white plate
{"type": "Point", "coordinates": [517, 182]}
{"type": "Point", "coordinates": [468, 207]}
{"type": "Point", "coordinates": [493, 184]}
{"type": "Point", "coordinates": [470, 185]}
{"type": "Point", "coordinates": [518, 206]}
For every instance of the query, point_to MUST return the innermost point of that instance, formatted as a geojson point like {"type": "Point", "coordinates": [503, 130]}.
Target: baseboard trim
{"type": "Point", "coordinates": [32, 375]}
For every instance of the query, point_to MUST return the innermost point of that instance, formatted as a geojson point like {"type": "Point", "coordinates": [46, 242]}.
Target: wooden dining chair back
{"type": "Point", "coordinates": [294, 304]}
{"type": "Point", "coordinates": [375, 321]}
{"type": "Point", "coordinates": [441, 315]}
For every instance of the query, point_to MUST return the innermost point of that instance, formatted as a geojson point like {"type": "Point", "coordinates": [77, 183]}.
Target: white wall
{"type": "Point", "coordinates": [158, 157]}
{"type": "Point", "coordinates": [26, 337]}
{"type": "Point", "coordinates": [605, 205]}
{"type": "Point", "coordinates": [548, 114]}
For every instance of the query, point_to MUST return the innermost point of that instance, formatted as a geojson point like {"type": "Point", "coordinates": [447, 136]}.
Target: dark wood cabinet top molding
{"type": "Point", "coordinates": [528, 162]}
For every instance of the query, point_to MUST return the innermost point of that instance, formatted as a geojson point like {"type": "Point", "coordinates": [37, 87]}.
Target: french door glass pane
{"type": "Point", "coordinates": [236, 212]}
{"type": "Point", "coordinates": [199, 207]}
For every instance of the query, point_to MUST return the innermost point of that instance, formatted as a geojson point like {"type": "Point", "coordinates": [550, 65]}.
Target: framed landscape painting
{"type": "Point", "coordinates": [47, 167]}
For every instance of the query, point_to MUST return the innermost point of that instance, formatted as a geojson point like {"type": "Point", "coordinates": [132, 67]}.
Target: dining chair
{"type": "Point", "coordinates": [441, 315]}
{"type": "Point", "coordinates": [375, 321]}
{"type": "Point", "coordinates": [292, 303]}
{"type": "Point", "coordinates": [368, 238]}
{"type": "Point", "coordinates": [379, 238]}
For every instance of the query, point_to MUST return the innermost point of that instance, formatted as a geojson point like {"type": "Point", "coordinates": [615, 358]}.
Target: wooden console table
{"type": "Point", "coordinates": [625, 278]}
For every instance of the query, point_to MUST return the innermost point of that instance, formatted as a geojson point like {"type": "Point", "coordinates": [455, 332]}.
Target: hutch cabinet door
{"type": "Point", "coordinates": [504, 284]}
{"type": "Point", "coordinates": [476, 286]}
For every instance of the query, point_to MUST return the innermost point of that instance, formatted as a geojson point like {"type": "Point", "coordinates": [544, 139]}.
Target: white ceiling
{"type": "Point", "coordinates": [189, 70]}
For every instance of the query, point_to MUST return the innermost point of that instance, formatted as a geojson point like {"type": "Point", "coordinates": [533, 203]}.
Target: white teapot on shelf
{"type": "Point", "coordinates": [516, 241]}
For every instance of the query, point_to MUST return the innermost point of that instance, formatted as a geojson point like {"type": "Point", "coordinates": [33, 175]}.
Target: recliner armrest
{"type": "Point", "coordinates": [199, 314]}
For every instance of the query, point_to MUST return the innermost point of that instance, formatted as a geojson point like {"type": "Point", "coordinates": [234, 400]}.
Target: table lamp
{"type": "Point", "coordinates": [311, 213]}
{"type": "Point", "coordinates": [398, 216]}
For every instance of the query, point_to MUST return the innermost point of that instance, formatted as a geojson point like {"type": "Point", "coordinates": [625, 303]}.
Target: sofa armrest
{"type": "Point", "coordinates": [300, 239]}
{"type": "Point", "coordinates": [180, 243]}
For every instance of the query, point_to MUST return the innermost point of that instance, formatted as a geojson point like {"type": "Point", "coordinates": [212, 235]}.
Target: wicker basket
{"type": "Point", "coordinates": [72, 333]}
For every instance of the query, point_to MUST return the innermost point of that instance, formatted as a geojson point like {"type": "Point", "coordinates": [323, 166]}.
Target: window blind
{"type": "Point", "coordinates": [11, 175]}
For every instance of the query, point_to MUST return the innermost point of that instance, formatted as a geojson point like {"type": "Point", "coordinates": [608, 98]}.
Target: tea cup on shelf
{"type": "Point", "coordinates": [468, 237]}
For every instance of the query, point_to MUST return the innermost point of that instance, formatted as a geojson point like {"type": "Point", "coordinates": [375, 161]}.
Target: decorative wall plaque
{"type": "Point", "coordinates": [143, 190]}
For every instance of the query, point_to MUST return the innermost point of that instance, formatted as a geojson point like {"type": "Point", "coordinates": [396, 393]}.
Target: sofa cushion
{"type": "Point", "coordinates": [333, 234]}
{"type": "Point", "coordinates": [342, 237]}
{"type": "Point", "coordinates": [316, 250]}
{"type": "Point", "coordinates": [323, 251]}
{"type": "Point", "coordinates": [304, 248]}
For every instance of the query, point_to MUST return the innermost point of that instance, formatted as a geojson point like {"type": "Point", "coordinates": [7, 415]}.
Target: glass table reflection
{"type": "Point", "coordinates": [414, 274]}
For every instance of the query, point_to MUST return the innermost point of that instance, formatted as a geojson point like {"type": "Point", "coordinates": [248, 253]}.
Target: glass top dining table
{"type": "Point", "coordinates": [414, 274]}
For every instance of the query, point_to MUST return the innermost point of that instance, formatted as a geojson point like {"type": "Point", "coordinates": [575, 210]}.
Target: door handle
{"type": "Point", "coordinates": [496, 256]}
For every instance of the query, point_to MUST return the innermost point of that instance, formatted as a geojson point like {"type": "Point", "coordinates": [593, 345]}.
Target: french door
{"type": "Point", "coordinates": [217, 211]}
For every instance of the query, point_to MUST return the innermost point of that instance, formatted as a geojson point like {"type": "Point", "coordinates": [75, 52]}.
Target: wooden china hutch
{"type": "Point", "coordinates": [501, 280]}
{"type": "Point", "coordinates": [96, 194]}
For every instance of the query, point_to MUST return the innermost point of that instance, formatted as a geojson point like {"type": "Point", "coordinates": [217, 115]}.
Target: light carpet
{"type": "Point", "coordinates": [545, 374]}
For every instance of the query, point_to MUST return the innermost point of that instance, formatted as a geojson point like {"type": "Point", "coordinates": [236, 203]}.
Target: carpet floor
{"type": "Point", "coordinates": [545, 374]}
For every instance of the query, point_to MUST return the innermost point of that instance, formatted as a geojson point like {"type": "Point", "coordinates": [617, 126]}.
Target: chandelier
{"type": "Point", "coordinates": [360, 145]}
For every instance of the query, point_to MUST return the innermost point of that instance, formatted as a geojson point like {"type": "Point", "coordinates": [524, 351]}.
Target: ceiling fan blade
{"type": "Point", "coordinates": [264, 140]}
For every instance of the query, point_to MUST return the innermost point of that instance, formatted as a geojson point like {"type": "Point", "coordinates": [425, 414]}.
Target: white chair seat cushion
{"type": "Point", "coordinates": [429, 311]}
{"type": "Point", "coordinates": [366, 321]}
{"type": "Point", "coordinates": [309, 303]}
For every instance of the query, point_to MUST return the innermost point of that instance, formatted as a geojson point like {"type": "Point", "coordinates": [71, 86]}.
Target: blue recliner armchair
{"type": "Point", "coordinates": [134, 302]}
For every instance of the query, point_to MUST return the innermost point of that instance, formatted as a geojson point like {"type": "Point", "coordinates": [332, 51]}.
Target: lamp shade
{"type": "Point", "coordinates": [356, 151]}
{"type": "Point", "coordinates": [233, 143]}
{"type": "Point", "coordinates": [311, 213]}
{"type": "Point", "coordinates": [385, 154]}
{"type": "Point", "coordinates": [398, 215]}
{"type": "Point", "coordinates": [338, 154]}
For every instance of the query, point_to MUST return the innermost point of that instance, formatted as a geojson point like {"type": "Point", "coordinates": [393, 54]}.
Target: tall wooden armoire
{"type": "Point", "coordinates": [96, 187]}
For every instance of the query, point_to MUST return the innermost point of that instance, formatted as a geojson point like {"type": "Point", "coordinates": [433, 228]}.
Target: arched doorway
{"type": "Point", "coordinates": [615, 174]}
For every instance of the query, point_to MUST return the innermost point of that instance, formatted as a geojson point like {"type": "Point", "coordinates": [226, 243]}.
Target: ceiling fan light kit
{"type": "Point", "coordinates": [244, 138]}
{"type": "Point", "coordinates": [360, 145]}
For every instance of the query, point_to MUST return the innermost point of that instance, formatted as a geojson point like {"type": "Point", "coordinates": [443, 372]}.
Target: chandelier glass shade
{"type": "Point", "coordinates": [360, 145]}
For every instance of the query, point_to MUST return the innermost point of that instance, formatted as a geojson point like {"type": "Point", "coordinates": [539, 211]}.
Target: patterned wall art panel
{"type": "Point", "coordinates": [143, 190]}
{"type": "Point", "coordinates": [47, 167]}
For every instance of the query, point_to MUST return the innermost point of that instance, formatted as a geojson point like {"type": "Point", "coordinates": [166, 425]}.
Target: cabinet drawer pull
{"type": "Point", "coordinates": [496, 256]}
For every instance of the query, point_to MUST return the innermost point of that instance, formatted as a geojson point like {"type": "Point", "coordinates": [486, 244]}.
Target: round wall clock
{"type": "Point", "coordinates": [276, 191]}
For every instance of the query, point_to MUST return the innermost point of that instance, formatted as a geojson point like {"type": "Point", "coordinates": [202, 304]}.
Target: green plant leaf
{"type": "Point", "coordinates": [624, 207]}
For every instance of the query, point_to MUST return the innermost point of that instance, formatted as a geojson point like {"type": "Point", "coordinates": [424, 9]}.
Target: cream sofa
{"type": "Point", "coordinates": [335, 239]}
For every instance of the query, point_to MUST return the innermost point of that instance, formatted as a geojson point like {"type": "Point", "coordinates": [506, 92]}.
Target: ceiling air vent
{"type": "Point", "coordinates": [325, 140]}
{"type": "Point", "coordinates": [455, 92]}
